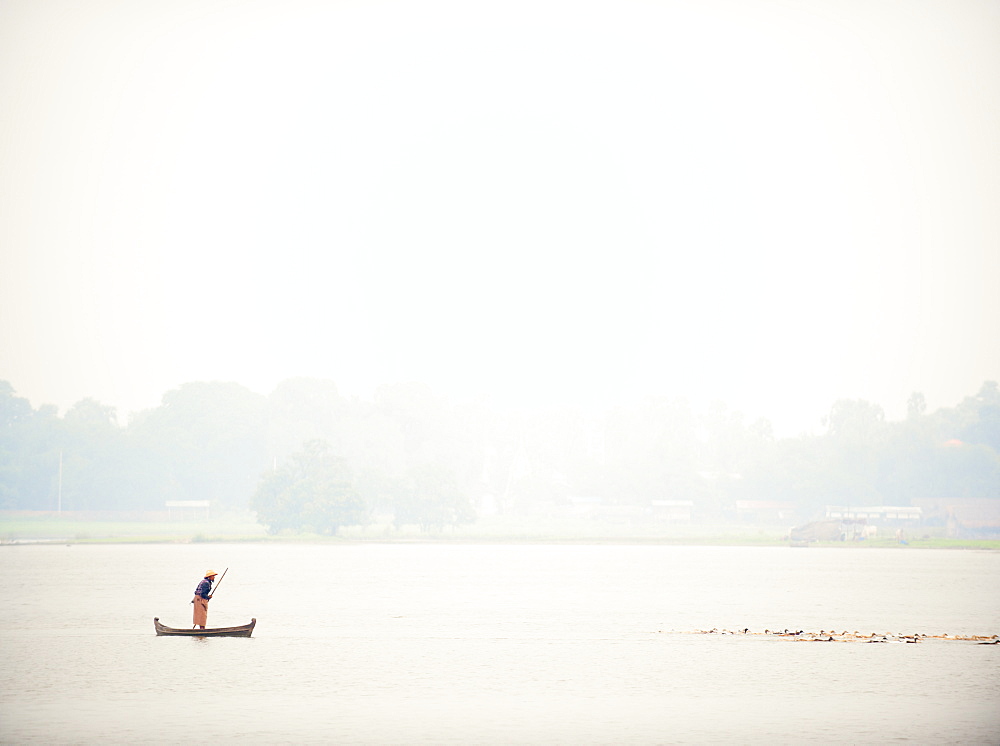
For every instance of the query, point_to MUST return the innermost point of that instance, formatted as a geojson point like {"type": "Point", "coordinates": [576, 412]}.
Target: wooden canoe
{"type": "Point", "coordinates": [242, 631]}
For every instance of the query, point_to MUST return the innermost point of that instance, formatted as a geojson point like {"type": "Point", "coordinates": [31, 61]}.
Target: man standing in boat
{"type": "Point", "coordinates": [202, 595]}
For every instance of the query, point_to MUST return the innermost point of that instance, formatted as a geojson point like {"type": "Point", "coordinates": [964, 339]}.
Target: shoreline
{"type": "Point", "coordinates": [311, 539]}
{"type": "Point", "coordinates": [19, 530]}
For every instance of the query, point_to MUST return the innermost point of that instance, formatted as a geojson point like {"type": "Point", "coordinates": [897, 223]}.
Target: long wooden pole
{"type": "Point", "coordinates": [220, 582]}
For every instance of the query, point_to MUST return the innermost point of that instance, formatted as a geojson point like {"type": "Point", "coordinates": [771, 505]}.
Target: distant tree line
{"type": "Point", "coordinates": [307, 459]}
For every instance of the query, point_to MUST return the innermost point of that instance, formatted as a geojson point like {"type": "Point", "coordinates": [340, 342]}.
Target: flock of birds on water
{"type": "Point", "coordinates": [845, 636]}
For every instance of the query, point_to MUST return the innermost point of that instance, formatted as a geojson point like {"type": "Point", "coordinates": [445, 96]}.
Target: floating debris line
{"type": "Point", "coordinates": [844, 636]}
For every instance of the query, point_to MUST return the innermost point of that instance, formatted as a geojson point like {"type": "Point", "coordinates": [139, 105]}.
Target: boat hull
{"type": "Point", "coordinates": [244, 630]}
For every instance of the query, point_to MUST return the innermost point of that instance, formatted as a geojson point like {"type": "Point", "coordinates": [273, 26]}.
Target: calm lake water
{"type": "Point", "coordinates": [496, 644]}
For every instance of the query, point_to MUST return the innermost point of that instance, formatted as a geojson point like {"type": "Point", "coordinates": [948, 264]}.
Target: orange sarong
{"type": "Point", "coordinates": [200, 612]}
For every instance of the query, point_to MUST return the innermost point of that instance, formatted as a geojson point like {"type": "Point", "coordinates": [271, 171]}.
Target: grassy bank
{"type": "Point", "coordinates": [229, 528]}
{"type": "Point", "coordinates": [499, 529]}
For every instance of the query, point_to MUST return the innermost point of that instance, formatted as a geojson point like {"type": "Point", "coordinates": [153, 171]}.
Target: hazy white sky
{"type": "Point", "coordinates": [774, 204]}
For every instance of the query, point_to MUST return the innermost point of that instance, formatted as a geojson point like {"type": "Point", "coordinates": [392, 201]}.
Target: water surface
{"type": "Point", "coordinates": [377, 644]}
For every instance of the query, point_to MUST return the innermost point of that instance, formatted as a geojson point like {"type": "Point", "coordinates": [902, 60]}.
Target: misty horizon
{"type": "Point", "coordinates": [699, 409]}
{"type": "Point", "coordinates": [532, 204]}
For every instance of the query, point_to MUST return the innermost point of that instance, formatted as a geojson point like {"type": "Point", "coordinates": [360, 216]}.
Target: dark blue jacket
{"type": "Point", "coordinates": [204, 588]}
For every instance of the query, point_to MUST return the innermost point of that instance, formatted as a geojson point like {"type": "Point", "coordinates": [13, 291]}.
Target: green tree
{"type": "Point", "coordinates": [855, 440]}
{"type": "Point", "coordinates": [651, 454]}
{"type": "Point", "coordinates": [916, 405]}
{"type": "Point", "coordinates": [985, 427]}
{"type": "Point", "coordinates": [93, 448]}
{"type": "Point", "coordinates": [206, 441]}
{"type": "Point", "coordinates": [795, 470]}
{"type": "Point", "coordinates": [29, 453]}
{"type": "Point", "coordinates": [313, 491]}
{"type": "Point", "coordinates": [303, 409]}
{"type": "Point", "coordinates": [432, 500]}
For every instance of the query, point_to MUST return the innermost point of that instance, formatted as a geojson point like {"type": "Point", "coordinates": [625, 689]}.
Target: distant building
{"type": "Point", "coordinates": [962, 515]}
{"type": "Point", "coordinates": [882, 513]}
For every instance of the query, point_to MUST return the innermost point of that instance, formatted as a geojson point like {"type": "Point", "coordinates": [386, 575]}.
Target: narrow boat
{"type": "Point", "coordinates": [243, 631]}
